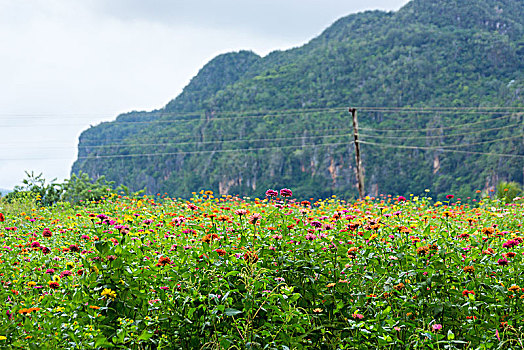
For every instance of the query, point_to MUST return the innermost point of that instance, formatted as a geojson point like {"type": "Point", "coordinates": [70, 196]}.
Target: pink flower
{"type": "Point", "coordinates": [286, 192]}
{"type": "Point", "coordinates": [502, 262]}
{"type": "Point", "coordinates": [271, 193]}
{"type": "Point", "coordinates": [437, 327]}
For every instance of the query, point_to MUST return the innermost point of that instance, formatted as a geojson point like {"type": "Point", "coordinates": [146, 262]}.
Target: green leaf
{"type": "Point", "coordinates": [427, 231]}
{"type": "Point", "coordinates": [232, 312]}
{"type": "Point", "coordinates": [145, 335]}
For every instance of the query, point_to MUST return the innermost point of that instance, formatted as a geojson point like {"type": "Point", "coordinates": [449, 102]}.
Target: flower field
{"type": "Point", "coordinates": [272, 273]}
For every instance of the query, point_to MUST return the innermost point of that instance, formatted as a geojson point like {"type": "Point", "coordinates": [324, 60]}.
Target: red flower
{"type": "Point", "coordinates": [2, 218]}
{"type": "Point", "coordinates": [250, 257]}
{"type": "Point", "coordinates": [53, 285]}
{"type": "Point", "coordinates": [74, 248]}
{"type": "Point", "coordinates": [221, 252]}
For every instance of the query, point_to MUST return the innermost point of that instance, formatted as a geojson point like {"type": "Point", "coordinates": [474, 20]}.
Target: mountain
{"type": "Point", "coordinates": [246, 123]}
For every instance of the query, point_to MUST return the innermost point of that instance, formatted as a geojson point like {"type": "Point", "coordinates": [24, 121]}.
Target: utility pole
{"type": "Point", "coordinates": [360, 175]}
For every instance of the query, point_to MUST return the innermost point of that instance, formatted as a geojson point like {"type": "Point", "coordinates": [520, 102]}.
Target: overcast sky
{"type": "Point", "coordinates": [69, 64]}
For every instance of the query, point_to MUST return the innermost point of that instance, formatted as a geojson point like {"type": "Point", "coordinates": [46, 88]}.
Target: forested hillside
{"type": "Point", "coordinates": [438, 85]}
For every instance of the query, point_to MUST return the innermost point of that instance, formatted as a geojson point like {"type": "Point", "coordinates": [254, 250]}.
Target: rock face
{"type": "Point", "coordinates": [247, 123]}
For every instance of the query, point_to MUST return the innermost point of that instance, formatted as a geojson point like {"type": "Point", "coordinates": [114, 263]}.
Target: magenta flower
{"type": "Point", "coordinates": [286, 192]}
{"type": "Point", "coordinates": [316, 224]}
{"type": "Point", "coordinates": [310, 237]}
{"type": "Point", "coordinates": [503, 262]}
{"type": "Point", "coordinates": [510, 244]}
{"type": "Point", "coordinates": [271, 193]}
{"type": "Point", "coordinates": [436, 327]}
{"type": "Point", "coordinates": [65, 273]}
{"type": "Point", "coordinates": [50, 271]}
{"type": "Point", "coordinates": [450, 196]}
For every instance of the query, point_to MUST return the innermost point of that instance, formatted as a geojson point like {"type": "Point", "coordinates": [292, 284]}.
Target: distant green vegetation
{"type": "Point", "coordinates": [79, 189]}
{"type": "Point", "coordinates": [286, 112]}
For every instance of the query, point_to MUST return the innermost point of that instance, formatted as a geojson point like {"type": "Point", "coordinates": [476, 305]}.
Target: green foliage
{"type": "Point", "coordinates": [144, 274]}
{"type": "Point", "coordinates": [428, 54]}
{"type": "Point", "coordinates": [508, 191]}
{"type": "Point", "coordinates": [79, 189]}
{"type": "Point", "coordinates": [35, 188]}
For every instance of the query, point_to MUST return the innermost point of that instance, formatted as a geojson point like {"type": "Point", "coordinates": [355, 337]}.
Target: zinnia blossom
{"type": "Point", "coordinates": [502, 262]}
{"type": "Point", "coordinates": [2, 218]}
{"type": "Point", "coordinates": [47, 233]}
{"type": "Point", "coordinates": [271, 193]}
{"type": "Point", "coordinates": [221, 252]}
{"type": "Point", "coordinates": [108, 293]}
{"type": "Point", "coordinates": [53, 284]}
{"type": "Point", "coordinates": [254, 218]}
{"type": "Point", "coordinates": [286, 192]}
{"type": "Point", "coordinates": [163, 261]}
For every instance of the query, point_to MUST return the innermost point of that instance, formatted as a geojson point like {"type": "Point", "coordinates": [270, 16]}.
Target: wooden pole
{"type": "Point", "coordinates": [360, 175]}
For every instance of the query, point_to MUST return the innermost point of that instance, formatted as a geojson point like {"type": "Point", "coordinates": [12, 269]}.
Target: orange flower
{"type": "Point", "coordinates": [422, 250]}
{"type": "Point", "coordinates": [163, 261]}
{"type": "Point", "coordinates": [399, 286]}
{"type": "Point", "coordinates": [469, 269]}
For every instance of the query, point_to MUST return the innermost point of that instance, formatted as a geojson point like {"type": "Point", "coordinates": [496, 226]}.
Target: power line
{"type": "Point", "coordinates": [298, 110]}
{"type": "Point", "coordinates": [207, 142]}
{"type": "Point", "coordinates": [281, 113]}
{"type": "Point", "coordinates": [480, 108]}
{"type": "Point", "coordinates": [192, 135]}
{"type": "Point", "coordinates": [440, 149]}
{"type": "Point", "coordinates": [200, 118]}
{"type": "Point", "coordinates": [444, 127]}
{"type": "Point", "coordinates": [190, 152]}
{"type": "Point", "coordinates": [440, 136]}
{"type": "Point", "coordinates": [476, 143]}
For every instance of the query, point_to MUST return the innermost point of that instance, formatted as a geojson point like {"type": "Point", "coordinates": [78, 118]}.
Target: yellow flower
{"type": "Point", "coordinates": [108, 293]}
{"type": "Point", "coordinates": [2, 337]}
